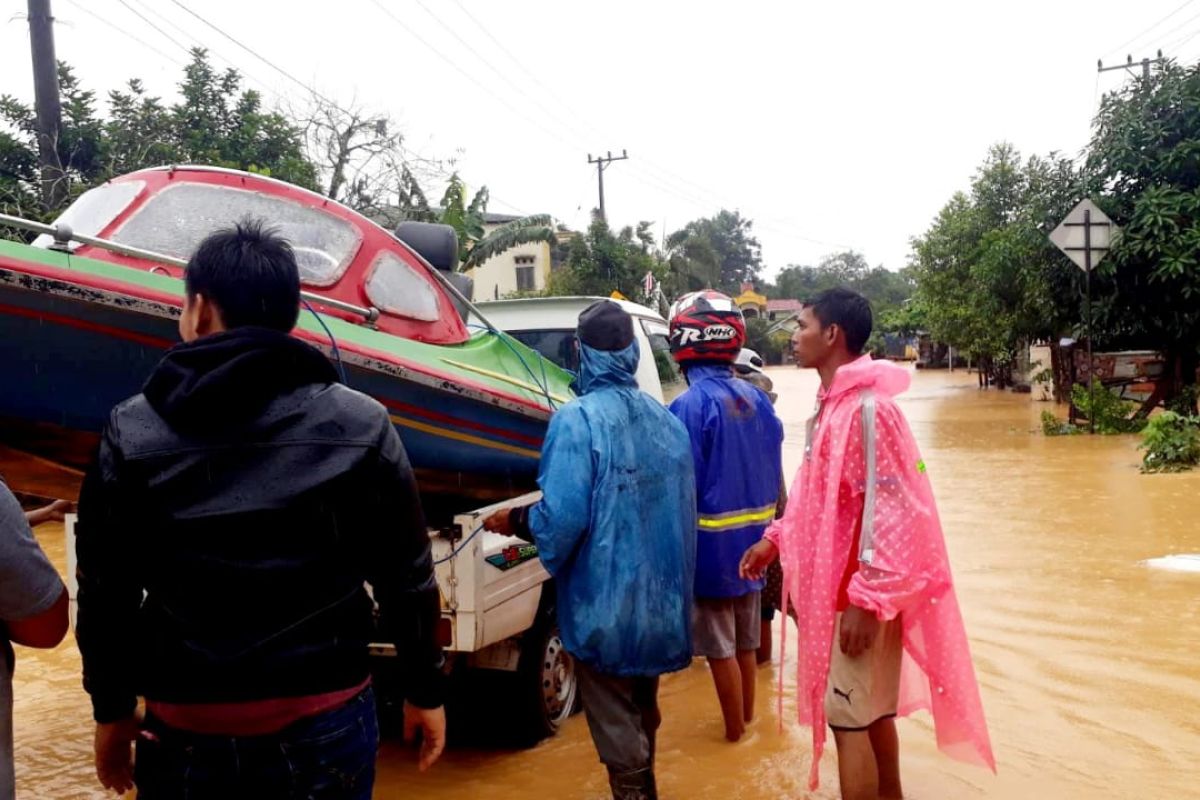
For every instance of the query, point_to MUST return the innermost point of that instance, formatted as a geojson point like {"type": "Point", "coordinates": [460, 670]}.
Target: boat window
{"type": "Point", "coordinates": [93, 210]}
{"type": "Point", "coordinates": [398, 288]}
{"type": "Point", "coordinates": [175, 221]}
{"type": "Point", "coordinates": [668, 371]}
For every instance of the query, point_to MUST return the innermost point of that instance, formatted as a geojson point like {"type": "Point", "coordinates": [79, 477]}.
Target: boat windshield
{"type": "Point", "coordinates": [93, 210]}
{"type": "Point", "coordinates": [174, 222]}
{"type": "Point", "coordinates": [397, 288]}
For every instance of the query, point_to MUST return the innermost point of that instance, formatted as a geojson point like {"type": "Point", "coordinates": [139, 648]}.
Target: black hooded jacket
{"type": "Point", "coordinates": [227, 527]}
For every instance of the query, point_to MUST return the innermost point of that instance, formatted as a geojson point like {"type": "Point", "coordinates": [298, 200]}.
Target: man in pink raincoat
{"type": "Point", "coordinates": [865, 565]}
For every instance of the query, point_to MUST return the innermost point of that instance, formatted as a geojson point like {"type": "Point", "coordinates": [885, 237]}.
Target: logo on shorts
{"type": "Point", "coordinates": [844, 695]}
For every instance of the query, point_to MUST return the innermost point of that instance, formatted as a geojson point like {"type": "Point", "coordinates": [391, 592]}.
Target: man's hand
{"type": "Point", "coordinates": [55, 512]}
{"type": "Point", "coordinates": [756, 560]}
{"type": "Point", "coordinates": [431, 722]}
{"type": "Point", "coordinates": [498, 522]}
{"type": "Point", "coordinates": [114, 753]}
{"type": "Point", "coordinates": [859, 628]}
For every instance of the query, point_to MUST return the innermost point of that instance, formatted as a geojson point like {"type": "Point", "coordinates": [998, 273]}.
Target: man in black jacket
{"type": "Point", "coordinates": [226, 530]}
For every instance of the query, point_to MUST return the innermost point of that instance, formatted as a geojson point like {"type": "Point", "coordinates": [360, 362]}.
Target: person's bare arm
{"type": "Point", "coordinates": [42, 630]}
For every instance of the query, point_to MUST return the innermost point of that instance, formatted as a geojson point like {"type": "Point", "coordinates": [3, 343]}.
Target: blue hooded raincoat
{"type": "Point", "coordinates": [736, 441]}
{"type": "Point", "coordinates": [616, 525]}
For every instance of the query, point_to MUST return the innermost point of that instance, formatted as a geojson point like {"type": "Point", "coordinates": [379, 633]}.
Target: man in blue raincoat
{"type": "Point", "coordinates": [616, 527]}
{"type": "Point", "coordinates": [735, 440]}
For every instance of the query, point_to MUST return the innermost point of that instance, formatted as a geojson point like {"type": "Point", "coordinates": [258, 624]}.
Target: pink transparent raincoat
{"type": "Point", "coordinates": [904, 568]}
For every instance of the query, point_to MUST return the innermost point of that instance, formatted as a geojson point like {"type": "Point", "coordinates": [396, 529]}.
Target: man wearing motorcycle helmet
{"type": "Point", "coordinates": [736, 439]}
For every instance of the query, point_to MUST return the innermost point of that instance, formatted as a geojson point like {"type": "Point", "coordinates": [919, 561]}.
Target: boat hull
{"type": "Point", "coordinates": [70, 354]}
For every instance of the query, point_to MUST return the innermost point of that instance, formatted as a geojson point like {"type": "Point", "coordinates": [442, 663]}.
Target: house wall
{"type": "Point", "coordinates": [497, 277]}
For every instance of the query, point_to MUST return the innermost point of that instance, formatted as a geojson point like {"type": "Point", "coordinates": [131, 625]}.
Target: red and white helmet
{"type": "Point", "coordinates": [706, 326]}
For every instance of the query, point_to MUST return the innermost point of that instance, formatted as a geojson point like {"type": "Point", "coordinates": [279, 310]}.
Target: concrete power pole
{"type": "Point", "coordinates": [1145, 62]}
{"type": "Point", "coordinates": [46, 101]}
{"type": "Point", "coordinates": [602, 163]}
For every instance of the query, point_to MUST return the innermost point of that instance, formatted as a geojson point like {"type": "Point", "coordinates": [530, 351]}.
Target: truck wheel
{"type": "Point", "coordinates": [549, 691]}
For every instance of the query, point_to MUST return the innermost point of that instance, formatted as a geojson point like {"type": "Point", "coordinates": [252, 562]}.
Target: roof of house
{"type": "Point", "coordinates": [784, 305]}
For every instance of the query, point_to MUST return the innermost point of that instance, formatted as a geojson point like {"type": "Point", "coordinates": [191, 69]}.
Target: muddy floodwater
{"type": "Point", "coordinates": [1088, 659]}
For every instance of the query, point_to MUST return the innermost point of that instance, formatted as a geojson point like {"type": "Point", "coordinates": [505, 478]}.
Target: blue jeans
{"type": "Point", "coordinates": [330, 756]}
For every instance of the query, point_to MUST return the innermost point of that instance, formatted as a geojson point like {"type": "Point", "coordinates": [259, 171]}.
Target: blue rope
{"type": "Point", "coordinates": [337, 356]}
{"type": "Point", "coordinates": [461, 547]}
{"type": "Point", "coordinates": [544, 384]}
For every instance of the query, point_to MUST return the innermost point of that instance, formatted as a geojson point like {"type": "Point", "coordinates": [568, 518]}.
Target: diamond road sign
{"type": "Point", "coordinates": [1085, 235]}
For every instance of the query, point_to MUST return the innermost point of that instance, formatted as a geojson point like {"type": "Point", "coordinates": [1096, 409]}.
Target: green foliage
{"type": "Point", "coordinates": [599, 263]}
{"type": "Point", "coordinates": [715, 252]}
{"type": "Point", "coordinates": [766, 345]}
{"type": "Point", "coordinates": [1053, 426]}
{"type": "Point", "coordinates": [1145, 151]}
{"type": "Point", "coordinates": [988, 280]}
{"type": "Point", "coordinates": [1171, 442]}
{"type": "Point", "coordinates": [1108, 412]}
{"type": "Point", "coordinates": [214, 123]}
{"type": "Point", "coordinates": [1184, 403]}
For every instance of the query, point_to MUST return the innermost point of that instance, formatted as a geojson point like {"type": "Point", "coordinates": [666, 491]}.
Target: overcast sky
{"type": "Point", "coordinates": [831, 125]}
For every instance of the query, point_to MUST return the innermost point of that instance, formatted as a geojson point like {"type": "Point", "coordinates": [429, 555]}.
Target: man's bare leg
{"type": "Point", "coordinates": [727, 675]}
{"type": "Point", "coordinates": [886, 744]}
{"type": "Point", "coordinates": [857, 771]}
{"type": "Point", "coordinates": [748, 666]}
{"type": "Point", "coordinates": [764, 642]}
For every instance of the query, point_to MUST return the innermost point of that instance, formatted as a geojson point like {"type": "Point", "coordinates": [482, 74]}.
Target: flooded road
{"type": "Point", "coordinates": [1089, 660]}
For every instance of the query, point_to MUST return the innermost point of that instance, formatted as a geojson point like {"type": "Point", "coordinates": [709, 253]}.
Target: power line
{"type": "Point", "coordinates": [646, 170]}
{"type": "Point", "coordinates": [1123, 45]}
{"type": "Point", "coordinates": [126, 33]}
{"type": "Point", "coordinates": [168, 21]}
{"type": "Point", "coordinates": [261, 58]}
{"type": "Point", "coordinates": [163, 33]}
{"type": "Point", "coordinates": [197, 42]}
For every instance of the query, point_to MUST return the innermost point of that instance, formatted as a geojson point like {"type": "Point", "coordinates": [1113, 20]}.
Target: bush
{"type": "Point", "coordinates": [759, 341]}
{"type": "Point", "coordinates": [1171, 442]}
{"type": "Point", "coordinates": [1053, 426]}
{"type": "Point", "coordinates": [1109, 412]}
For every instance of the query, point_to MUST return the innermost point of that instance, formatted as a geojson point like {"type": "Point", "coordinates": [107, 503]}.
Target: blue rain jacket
{"type": "Point", "coordinates": [737, 449]}
{"type": "Point", "coordinates": [616, 525]}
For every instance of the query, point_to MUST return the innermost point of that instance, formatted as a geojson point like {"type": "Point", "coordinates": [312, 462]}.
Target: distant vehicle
{"type": "Point", "coordinates": [547, 324]}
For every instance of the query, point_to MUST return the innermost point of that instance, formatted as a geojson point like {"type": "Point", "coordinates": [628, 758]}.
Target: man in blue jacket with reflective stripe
{"type": "Point", "coordinates": [616, 527]}
{"type": "Point", "coordinates": [736, 448]}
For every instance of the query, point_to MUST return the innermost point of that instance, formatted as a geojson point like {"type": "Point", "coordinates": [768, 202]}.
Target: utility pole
{"type": "Point", "coordinates": [601, 163]}
{"type": "Point", "coordinates": [46, 101]}
{"type": "Point", "coordinates": [1128, 65]}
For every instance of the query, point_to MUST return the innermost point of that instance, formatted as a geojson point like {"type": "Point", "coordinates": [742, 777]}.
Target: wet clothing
{"type": "Point", "coordinates": [250, 496]}
{"type": "Point", "coordinates": [736, 442]}
{"type": "Point", "coordinates": [859, 440]}
{"type": "Point", "coordinates": [330, 756]}
{"type": "Point", "coordinates": [722, 626]}
{"type": "Point", "coordinates": [616, 523]}
{"type": "Point", "coordinates": [28, 586]}
{"type": "Point", "coordinates": [622, 716]}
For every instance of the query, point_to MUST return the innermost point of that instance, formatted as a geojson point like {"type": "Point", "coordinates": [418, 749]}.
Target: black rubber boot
{"type": "Point", "coordinates": [635, 785]}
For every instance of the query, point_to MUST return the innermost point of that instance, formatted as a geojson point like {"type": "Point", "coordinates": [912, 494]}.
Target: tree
{"type": "Point", "coordinates": [600, 263]}
{"type": "Point", "coordinates": [213, 123]}
{"type": "Point", "coordinates": [357, 153]}
{"type": "Point", "coordinates": [736, 254]}
{"type": "Point", "coordinates": [1144, 158]}
{"type": "Point", "coordinates": [475, 244]}
{"type": "Point", "coordinates": [987, 278]}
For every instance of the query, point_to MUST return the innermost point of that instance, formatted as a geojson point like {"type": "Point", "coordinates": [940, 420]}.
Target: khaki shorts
{"type": "Point", "coordinates": [721, 626]}
{"type": "Point", "coordinates": [861, 691]}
